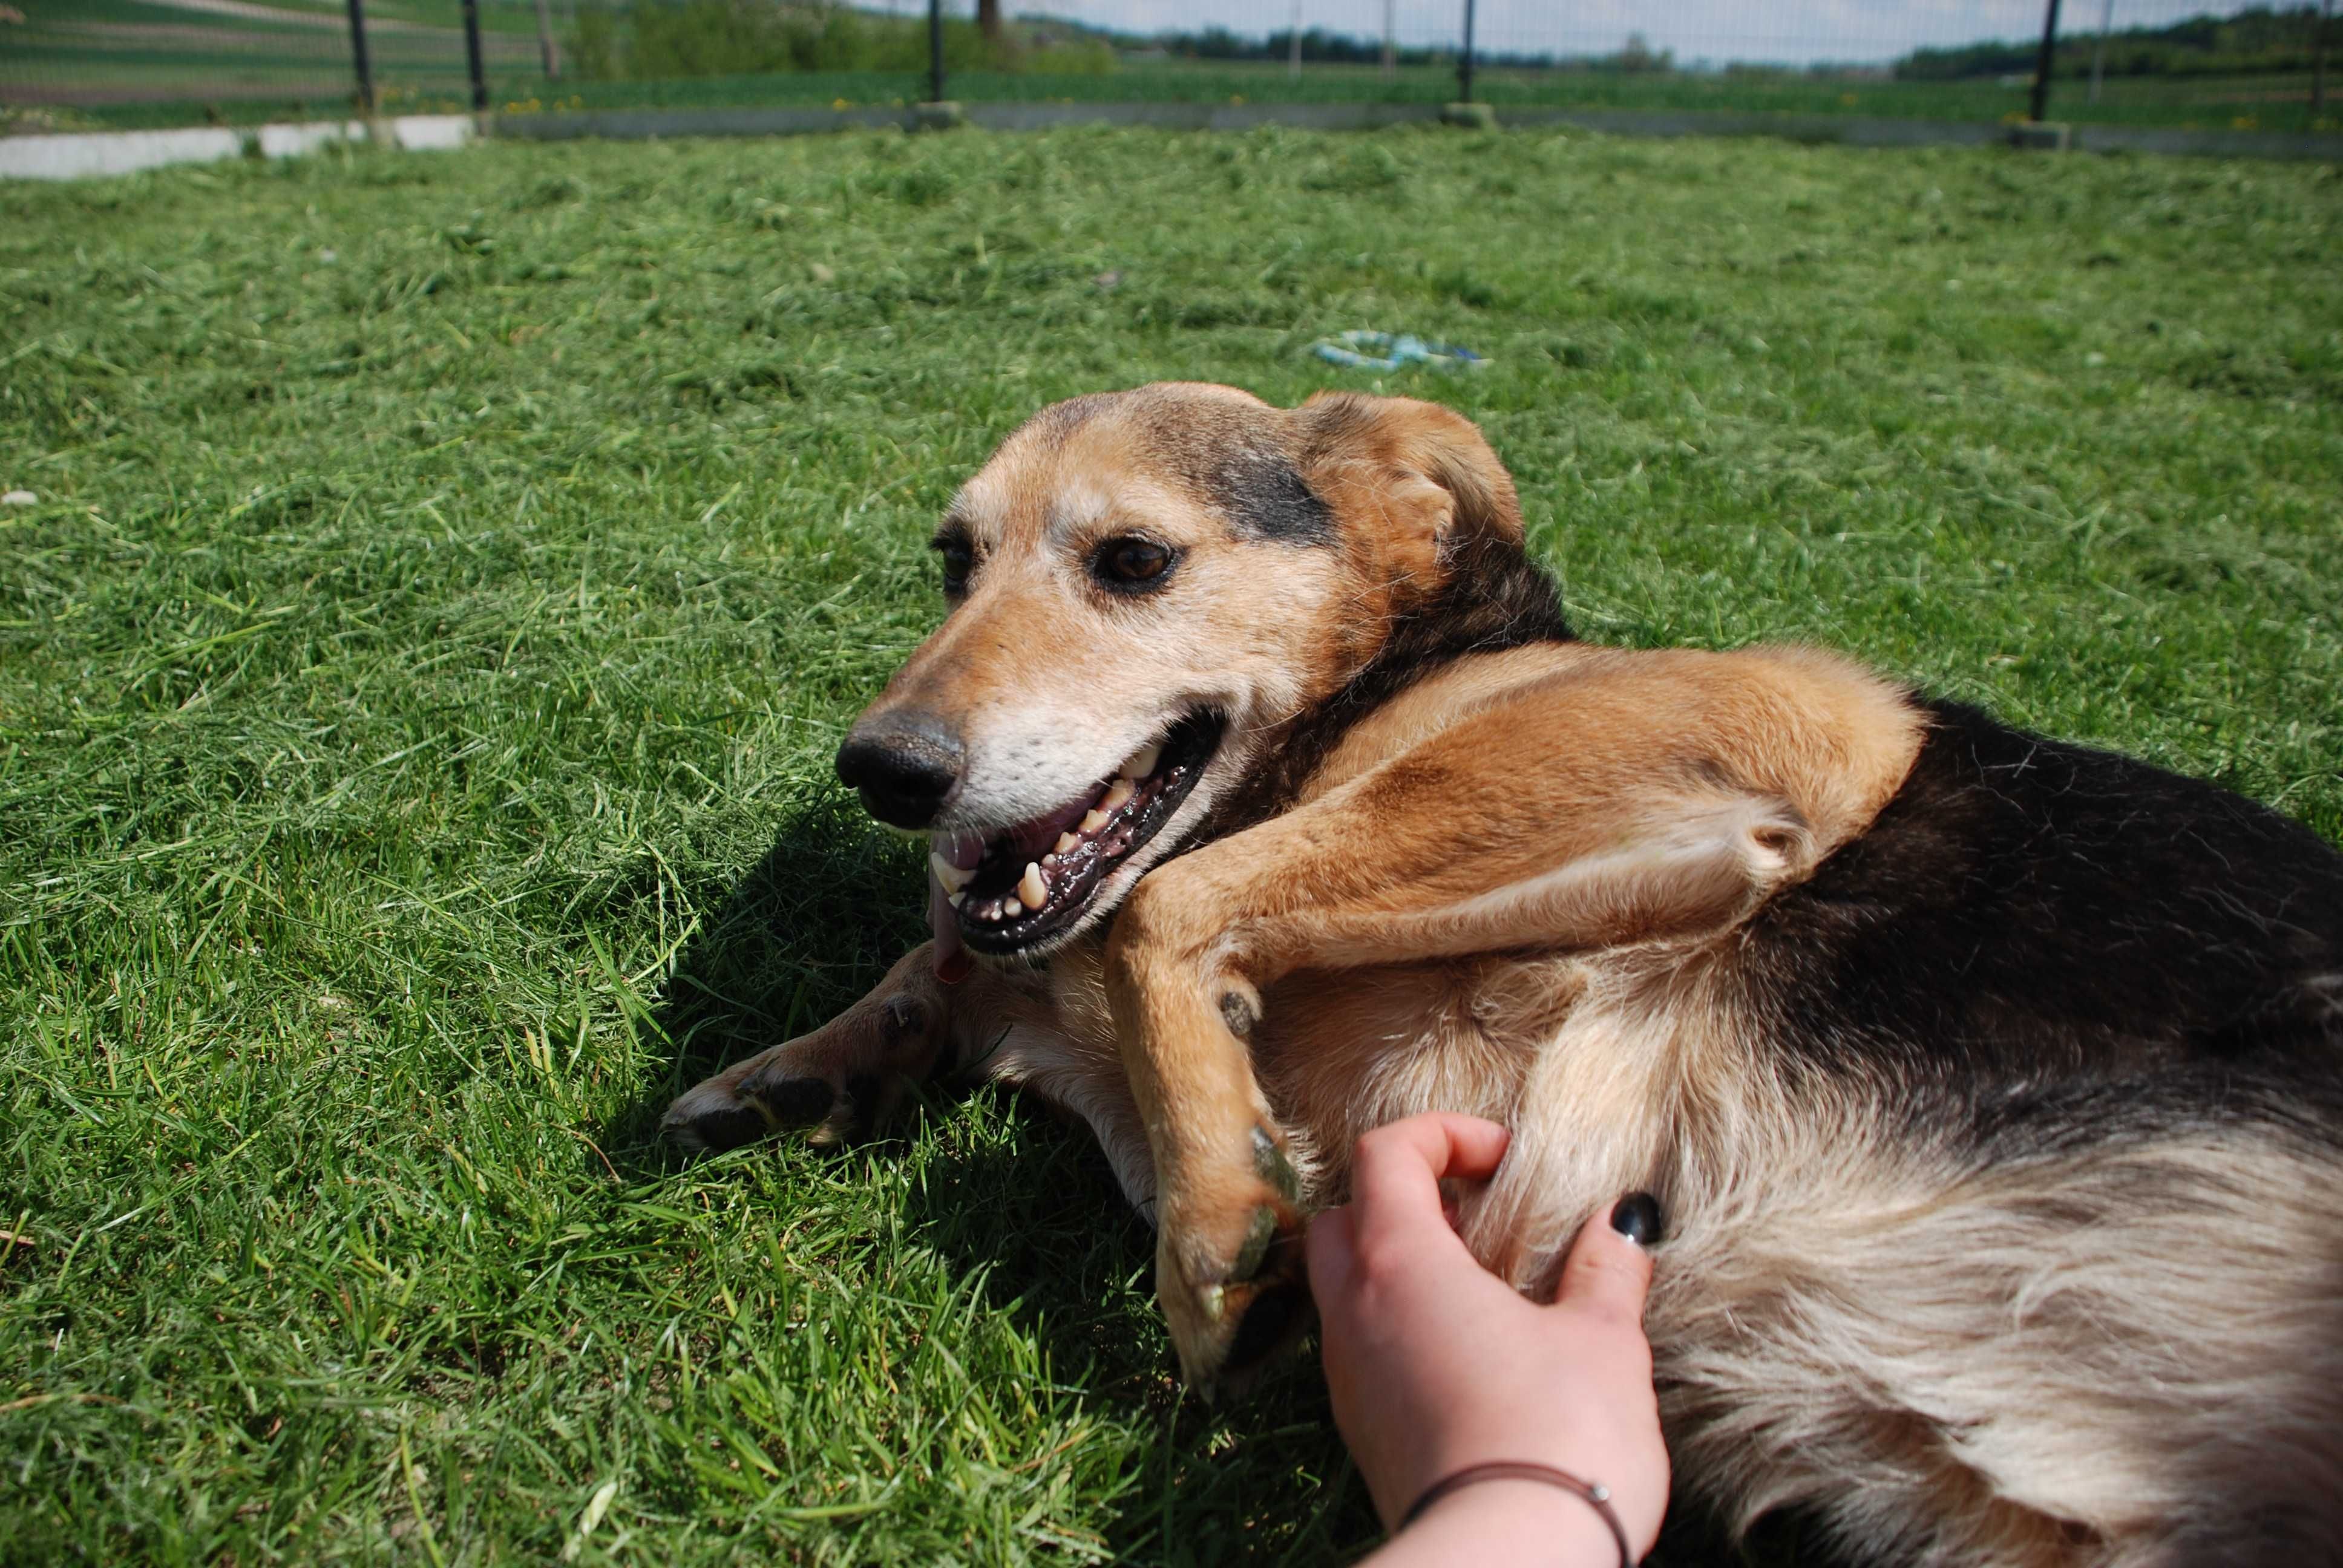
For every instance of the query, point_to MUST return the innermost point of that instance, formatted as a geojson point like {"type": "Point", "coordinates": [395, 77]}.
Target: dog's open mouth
{"type": "Point", "coordinates": [1021, 887]}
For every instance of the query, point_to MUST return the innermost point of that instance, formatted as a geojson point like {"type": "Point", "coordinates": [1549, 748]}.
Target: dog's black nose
{"type": "Point", "coordinates": [904, 764]}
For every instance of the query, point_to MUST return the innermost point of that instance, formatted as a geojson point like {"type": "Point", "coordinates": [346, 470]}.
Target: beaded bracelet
{"type": "Point", "coordinates": [1593, 1493]}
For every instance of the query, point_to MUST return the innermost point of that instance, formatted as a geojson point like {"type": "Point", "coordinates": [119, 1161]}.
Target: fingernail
{"type": "Point", "coordinates": [1637, 1218]}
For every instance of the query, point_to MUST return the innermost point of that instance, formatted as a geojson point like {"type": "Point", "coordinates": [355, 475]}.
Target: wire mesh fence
{"type": "Point", "coordinates": [66, 62]}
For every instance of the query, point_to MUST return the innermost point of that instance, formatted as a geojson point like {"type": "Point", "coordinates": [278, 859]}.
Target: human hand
{"type": "Point", "coordinates": [1434, 1363]}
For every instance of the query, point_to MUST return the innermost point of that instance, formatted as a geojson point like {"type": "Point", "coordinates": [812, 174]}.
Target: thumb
{"type": "Point", "coordinates": [1330, 1251]}
{"type": "Point", "coordinates": [1609, 1269]}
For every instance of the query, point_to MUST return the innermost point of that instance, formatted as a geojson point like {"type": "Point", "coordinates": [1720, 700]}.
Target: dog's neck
{"type": "Point", "coordinates": [1492, 597]}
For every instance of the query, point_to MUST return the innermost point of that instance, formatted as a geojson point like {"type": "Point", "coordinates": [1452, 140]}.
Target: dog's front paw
{"type": "Point", "coordinates": [1230, 1269]}
{"type": "Point", "coordinates": [724, 1113]}
{"type": "Point", "coordinates": [840, 1081]}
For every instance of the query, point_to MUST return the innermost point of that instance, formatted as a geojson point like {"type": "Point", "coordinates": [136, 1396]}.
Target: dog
{"type": "Point", "coordinates": [1993, 1086]}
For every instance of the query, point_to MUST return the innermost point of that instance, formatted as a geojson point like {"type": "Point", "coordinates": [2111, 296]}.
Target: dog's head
{"type": "Point", "coordinates": [1143, 588]}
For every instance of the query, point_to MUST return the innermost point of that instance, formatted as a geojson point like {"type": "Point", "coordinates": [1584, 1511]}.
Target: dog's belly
{"type": "Point", "coordinates": [2046, 1361]}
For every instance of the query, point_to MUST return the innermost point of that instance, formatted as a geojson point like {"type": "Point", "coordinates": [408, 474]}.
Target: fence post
{"type": "Point", "coordinates": [548, 53]}
{"type": "Point", "coordinates": [1464, 61]}
{"type": "Point", "coordinates": [2042, 64]}
{"type": "Point", "coordinates": [935, 51]}
{"type": "Point", "coordinates": [472, 56]}
{"type": "Point", "coordinates": [2099, 49]}
{"type": "Point", "coordinates": [358, 58]}
{"type": "Point", "coordinates": [2318, 61]}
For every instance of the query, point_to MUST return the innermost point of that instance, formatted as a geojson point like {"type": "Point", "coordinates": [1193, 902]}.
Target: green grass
{"type": "Point", "coordinates": [451, 575]}
{"type": "Point", "coordinates": [2261, 103]}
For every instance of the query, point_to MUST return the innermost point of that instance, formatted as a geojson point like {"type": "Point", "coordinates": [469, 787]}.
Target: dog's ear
{"type": "Point", "coordinates": [1413, 479]}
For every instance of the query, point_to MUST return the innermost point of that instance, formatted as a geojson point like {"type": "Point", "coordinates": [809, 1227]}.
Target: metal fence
{"type": "Point", "coordinates": [65, 63]}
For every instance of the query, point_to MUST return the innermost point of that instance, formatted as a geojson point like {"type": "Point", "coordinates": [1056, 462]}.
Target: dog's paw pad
{"type": "Point", "coordinates": [707, 1119]}
{"type": "Point", "coordinates": [1261, 1237]}
{"type": "Point", "coordinates": [1270, 1164]}
{"type": "Point", "coordinates": [790, 1101]}
{"type": "Point", "coordinates": [1272, 1320]}
{"type": "Point", "coordinates": [1252, 1311]}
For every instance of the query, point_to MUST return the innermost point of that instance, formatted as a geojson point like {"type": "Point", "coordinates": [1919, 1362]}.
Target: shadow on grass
{"type": "Point", "coordinates": [809, 929]}
{"type": "Point", "coordinates": [1035, 1217]}
{"type": "Point", "coordinates": [1039, 1221]}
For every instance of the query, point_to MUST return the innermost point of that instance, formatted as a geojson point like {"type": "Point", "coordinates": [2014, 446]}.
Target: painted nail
{"type": "Point", "coordinates": [1637, 1218]}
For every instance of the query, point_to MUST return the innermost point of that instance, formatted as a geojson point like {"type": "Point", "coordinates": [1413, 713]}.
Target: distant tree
{"type": "Point", "coordinates": [1638, 55]}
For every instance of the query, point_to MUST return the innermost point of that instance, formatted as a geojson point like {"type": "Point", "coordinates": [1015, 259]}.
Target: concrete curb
{"type": "Point", "coordinates": [98, 153]}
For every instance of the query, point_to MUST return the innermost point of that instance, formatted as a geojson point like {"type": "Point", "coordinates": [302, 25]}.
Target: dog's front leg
{"type": "Point", "coordinates": [993, 1026]}
{"type": "Point", "coordinates": [1574, 819]}
{"type": "Point", "coordinates": [844, 1076]}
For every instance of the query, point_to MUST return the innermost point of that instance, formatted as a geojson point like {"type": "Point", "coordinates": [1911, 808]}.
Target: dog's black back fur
{"type": "Point", "coordinates": [2037, 938]}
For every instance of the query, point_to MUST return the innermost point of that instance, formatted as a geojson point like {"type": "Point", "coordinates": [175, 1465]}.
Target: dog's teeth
{"type": "Point", "coordinates": [1012, 909]}
{"type": "Point", "coordinates": [1142, 762]}
{"type": "Point", "coordinates": [1066, 841]}
{"type": "Point", "coordinates": [1093, 820]}
{"type": "Point", "coordinates": [1033, 887]}
{"type": "Point", "coordinates": [1116, 794]}
{"type": "Point", "coordinates": [958, 900]}
{"type": "Point", "coordinates": [953, 878]}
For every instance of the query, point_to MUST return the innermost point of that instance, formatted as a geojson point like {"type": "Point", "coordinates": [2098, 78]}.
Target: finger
{"type": "Point", "coordinates": [1395, 1176]}
{"type": "Point", "coordinates": [1609, 1272]}
{"type": "Point", "coordinates": [1331, 1249]}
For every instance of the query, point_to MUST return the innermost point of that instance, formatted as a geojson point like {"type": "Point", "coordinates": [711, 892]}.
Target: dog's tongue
{"type": "Point", "coordinates": [952, 957]}
{"type": "Point", "coordinates": [963, 851]}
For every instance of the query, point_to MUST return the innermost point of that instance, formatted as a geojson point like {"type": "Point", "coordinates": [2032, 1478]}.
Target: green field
{"type": "Point", "coordinates": [451, 573]}
{"type": "Point", "coordinates": [140, 63]}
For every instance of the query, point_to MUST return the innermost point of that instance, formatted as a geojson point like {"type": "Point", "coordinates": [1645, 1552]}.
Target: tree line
{"type": "Point", "coordinates": [2251, 41]}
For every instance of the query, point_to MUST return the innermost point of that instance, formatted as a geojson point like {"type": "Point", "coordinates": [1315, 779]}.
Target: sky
{"type": "Point", "coordinates": [1790, 31]}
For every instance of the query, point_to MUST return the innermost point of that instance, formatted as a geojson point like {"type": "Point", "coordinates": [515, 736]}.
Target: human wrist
{"type": "Point", "coordinates": [1502, 1521]}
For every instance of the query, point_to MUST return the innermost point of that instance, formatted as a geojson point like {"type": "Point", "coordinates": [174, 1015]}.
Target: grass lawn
{"type": "Point", "coordinates": [449, 579]}
{"type": "Point", "coordinates": [2269, 103]}
{"type": "Point", "coordinates": [421, 74]}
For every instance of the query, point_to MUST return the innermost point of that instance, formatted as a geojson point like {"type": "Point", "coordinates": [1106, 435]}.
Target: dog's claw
{"type": "Point", "coordinates": [1233, 1311]}
{"type": "Point", "coordinates": [1259, 1307]}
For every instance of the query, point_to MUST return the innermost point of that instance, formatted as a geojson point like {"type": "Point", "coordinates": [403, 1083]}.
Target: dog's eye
{"type": "Point", "coordinates": [1130, 563]}
{"type": "Point", "coordinates": [958, 560]}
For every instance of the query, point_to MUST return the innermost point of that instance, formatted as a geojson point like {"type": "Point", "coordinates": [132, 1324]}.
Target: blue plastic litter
{"type": "Point", "coordinates": [1388, 351]}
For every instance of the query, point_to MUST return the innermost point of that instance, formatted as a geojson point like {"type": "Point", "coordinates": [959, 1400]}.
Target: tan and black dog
{"type": "Point", "coordinates": [1993, 1086]}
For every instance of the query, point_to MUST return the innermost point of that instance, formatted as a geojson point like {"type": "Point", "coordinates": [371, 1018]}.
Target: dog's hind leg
{"type": "Point", "coordinates": [1659, 797]}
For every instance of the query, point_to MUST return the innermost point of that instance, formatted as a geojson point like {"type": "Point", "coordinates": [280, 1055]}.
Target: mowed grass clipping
{"type": "Point", "coordinates": [451, 575]}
